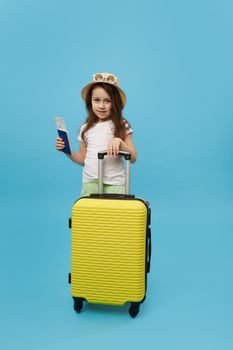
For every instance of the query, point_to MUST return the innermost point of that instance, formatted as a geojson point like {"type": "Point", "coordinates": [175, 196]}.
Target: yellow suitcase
{"type": "Point", "coordinates": [111, 248]}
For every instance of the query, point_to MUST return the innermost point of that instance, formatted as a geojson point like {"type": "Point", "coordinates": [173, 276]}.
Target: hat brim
{"type": "Point", "coordinates": [86, 88]}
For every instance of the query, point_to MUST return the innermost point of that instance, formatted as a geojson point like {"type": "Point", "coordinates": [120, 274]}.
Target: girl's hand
{"type": "Point", "coordinates": [114, 147]}
{"type": "Point", "coordinates": [60, 144]}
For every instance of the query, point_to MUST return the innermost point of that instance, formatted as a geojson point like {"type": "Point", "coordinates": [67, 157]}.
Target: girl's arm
{"type": "Point", "coordinates": [126, 145]}
{"type": "Point", "coordinates": [77, 157]}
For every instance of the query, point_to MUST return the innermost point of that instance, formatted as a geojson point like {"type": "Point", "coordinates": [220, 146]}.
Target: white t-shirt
{"type": "Point", "coordinates": [97, 139]}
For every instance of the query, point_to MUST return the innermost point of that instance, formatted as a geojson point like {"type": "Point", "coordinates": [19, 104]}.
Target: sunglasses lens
{"type": "Point", "coordinates": [98, 77]}
{"type": "Point", "coordinates": [110, 79]}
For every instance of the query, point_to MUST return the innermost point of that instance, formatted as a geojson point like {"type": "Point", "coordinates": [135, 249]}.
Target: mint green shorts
{"type": "Point", "coordinates": [92, 187]}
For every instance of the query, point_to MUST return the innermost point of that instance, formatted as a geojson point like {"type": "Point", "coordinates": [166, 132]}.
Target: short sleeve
{"type": "Point", "coordinates": [128, 129]}
{"type": "Point", "coordinates": [80, 133]}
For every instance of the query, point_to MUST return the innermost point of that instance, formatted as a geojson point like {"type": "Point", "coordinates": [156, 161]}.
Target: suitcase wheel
{"type": "Point", "coordinates": [78, 305]}
{"type": "Point", "coordinates": [134, 309]}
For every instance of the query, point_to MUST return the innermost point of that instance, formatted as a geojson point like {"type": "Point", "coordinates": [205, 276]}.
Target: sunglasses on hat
{"type": "Point", "coordinates": [109, 78]}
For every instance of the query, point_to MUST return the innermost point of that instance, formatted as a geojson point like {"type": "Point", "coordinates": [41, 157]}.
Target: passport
{"type": "Point", "coordinates": [63, 134]}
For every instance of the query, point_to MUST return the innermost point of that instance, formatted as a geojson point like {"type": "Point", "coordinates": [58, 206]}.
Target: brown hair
{"type": "Point", "coordinates": [121, 125]}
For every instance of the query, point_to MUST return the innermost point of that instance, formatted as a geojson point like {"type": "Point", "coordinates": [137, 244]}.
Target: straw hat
{"type": "Point", "coordinates": [107, 78]}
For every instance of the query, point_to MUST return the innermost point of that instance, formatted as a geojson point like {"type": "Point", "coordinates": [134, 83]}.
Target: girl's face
{"type": "Point", "coordinates": [101, 103]}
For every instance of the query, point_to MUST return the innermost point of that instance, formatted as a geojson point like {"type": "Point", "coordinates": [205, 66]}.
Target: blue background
{"type": "Point", "coordinates": [174, 60]}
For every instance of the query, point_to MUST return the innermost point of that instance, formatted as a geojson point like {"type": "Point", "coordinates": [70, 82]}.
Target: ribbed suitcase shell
{"type": "Point", "coordinates": [109, 250]}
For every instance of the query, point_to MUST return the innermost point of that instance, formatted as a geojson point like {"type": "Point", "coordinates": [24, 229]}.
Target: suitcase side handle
{"type": "Point", "coordinates": [149, 250]}
{"type": "Point", "coordinates": [127, 157]}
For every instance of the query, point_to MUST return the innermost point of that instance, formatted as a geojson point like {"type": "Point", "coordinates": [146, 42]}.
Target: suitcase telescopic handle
{"type": "Point", "coordinates": [127, 157]}
{"type": "Point", "coordinates": [124, 154]}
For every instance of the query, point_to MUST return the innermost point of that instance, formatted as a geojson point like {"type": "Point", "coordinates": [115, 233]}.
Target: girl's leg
{"type": "Point", "coordinates": [114, 189]}
{"type": "Point", "coordinates": [92, 187]}
{"type": "Point", "coordinates": [89, 188]}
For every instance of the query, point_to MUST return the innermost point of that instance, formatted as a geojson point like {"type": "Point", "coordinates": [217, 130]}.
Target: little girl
{"type": "Point", "coordinates": [104, 129]}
